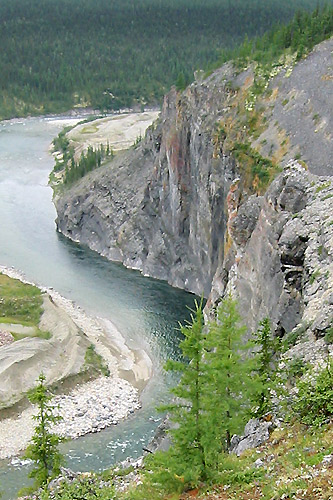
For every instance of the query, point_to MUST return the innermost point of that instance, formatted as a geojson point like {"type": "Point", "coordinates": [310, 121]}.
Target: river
{"type": "Point", "coordinates": [146, 311]}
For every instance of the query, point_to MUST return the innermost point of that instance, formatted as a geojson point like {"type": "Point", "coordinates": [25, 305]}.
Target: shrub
{"type": "Point", "coordinates": [87, 487]}
{"type": "Point", "coordinates": [94, 360]}
{"type": "Point", "coordinates": [314, 402]}
{"type": "Point", "coordinates": [329, 336]}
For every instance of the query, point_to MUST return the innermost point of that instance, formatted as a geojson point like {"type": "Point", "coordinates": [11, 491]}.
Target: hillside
{"type": "Point", "coordinates": [229, 194]}
{"type": "Point", "coordinates": [111, 55]}
{"type": "Point", "coordinates": [294, 464]}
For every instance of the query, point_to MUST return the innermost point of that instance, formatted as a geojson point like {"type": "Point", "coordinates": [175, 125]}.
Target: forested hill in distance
{"type": "Point", "coordinates": [111, 54]}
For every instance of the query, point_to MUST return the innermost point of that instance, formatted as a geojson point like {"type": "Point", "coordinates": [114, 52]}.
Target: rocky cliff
{"type": "Point", "coordinates": [200, 201]}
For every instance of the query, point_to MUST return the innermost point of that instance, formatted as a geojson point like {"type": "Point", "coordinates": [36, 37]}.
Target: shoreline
{"type": "Point", "coordinates": [81, 113]}
{"type": "Point", "coordinates": [88, 408]}
{"type": "Point", "coordinates": [93, 405]}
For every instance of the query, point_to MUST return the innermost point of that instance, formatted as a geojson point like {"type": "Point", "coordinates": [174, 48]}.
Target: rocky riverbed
{"type": "Point", "coordinates": [95, 405]}
{"type": "Point", "coordinates": [90, 407]}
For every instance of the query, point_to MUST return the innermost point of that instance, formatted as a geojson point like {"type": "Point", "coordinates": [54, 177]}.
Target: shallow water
{"type": "Point", "coordinates": [146, 311]}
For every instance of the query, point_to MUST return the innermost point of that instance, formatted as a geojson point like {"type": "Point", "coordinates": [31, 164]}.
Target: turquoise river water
{"type": "Point", "coordinates": [146, 311]}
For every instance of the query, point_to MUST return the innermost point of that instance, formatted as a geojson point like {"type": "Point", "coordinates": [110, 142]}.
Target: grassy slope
{"type": "Point", "coordinates": [292, 466]}
{"type": "Point", "coordinates": [20, 304]}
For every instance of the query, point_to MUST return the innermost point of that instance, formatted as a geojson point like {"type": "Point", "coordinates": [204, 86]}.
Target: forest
{"type": "Point", "coordinates": [121, 53]}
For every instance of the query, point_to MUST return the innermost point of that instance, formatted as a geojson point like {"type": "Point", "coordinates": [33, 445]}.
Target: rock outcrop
{"type": "Point", "coordinates": [282, 268]}
{"type": "Point", "coordinates": [256, 432]}
{"type": "Point", "coordinates": [160, 207]}
{"type": "Point", "coordinates": [182, 206]}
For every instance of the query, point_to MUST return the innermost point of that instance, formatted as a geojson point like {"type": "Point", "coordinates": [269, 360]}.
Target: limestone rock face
{"type": "Point", "coordinates": [256, 433]}
{"type": "Point", "coordinates": [160, 207]}
{"type": "Point", "coordinates": [283, 268]}
{"type": "Point", "coordinates": [180, 206]}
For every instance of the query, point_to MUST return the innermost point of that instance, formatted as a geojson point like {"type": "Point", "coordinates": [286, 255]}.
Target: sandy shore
{"type": "Point", "coordinates": [120, 131]}
{"type": "Point", "coordinates": [91, 406]}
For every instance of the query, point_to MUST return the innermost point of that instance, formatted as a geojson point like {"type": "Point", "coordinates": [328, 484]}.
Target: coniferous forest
{"type": "Point", "coordinates": [111, 54]}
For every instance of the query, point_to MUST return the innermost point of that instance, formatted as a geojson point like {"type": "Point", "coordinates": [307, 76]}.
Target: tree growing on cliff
{"type": "Point", "coordinates": [213, 398]}
{"type": "Point", "coordinates": [43, 448]}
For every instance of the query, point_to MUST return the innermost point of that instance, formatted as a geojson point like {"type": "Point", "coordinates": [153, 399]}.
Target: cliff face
{"type": "Point", "coordinates": [281, 267]}
{"type": "Point", "coordinates": [160, 207]}
{"type": "Point", "coordinates": [184, 207]}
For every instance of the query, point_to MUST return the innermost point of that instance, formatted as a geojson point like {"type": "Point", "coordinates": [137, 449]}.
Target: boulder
{"type": "Point", "coordinates": [256, 433]}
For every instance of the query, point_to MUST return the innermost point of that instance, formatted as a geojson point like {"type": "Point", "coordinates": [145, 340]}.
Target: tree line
{"type": "Point", "coordinates": [72, 170]}
{"type": "Point", "coordinates": [300, 35]}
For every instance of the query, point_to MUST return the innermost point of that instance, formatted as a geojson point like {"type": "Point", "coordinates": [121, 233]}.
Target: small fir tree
{"type": "Point", "coordinates": [43, 448]}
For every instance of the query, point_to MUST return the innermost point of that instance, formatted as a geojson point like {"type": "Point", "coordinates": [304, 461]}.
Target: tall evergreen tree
{"type": "Point", "coordinates": [214, 393]}
{"type": "Point", "coordinates": [187, 409]}
{"type": "Point", "coordinates": [231, 380]}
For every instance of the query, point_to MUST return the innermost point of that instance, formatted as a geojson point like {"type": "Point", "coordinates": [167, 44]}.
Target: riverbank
{"type": "Point", "coordinates": [91, 406]}
{"type": "Point", "coordinates": [118, 131]}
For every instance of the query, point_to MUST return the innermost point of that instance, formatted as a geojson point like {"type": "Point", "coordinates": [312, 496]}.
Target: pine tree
{"type": "Point", "coordinates": [231, 379]}
{"type": "Point", "coordinates": [43, 448]}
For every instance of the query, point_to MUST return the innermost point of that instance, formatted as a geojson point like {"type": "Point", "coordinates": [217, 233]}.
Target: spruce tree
{"type": "Point", "coordinates": [43, 448]}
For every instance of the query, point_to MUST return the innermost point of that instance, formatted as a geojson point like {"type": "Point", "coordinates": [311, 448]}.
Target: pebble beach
{"type": "Point", "coordinates": [88, 407]}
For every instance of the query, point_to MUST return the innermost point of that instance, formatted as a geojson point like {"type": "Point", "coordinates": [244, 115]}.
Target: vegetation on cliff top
{"type": "Point", "coordinates": [110, 55]}
{"type": "Point", "coordinates": [300, 35]}
{"type": "Point", "coordinates": [249, 113]}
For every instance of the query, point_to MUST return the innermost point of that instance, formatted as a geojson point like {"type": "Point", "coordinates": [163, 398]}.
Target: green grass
{"type": "Point", "coordinates": [38, 333]}
{"type": "Point", "coordinates": [90, 129]}
{"type": "Point", "coordinates": [258, 171]}
{"type": "Point", "coordinates": [314, 276]}
{"type": "Point", "coordinates": [323, 186]}
{"type": "Point", "coordinates": [95, 361]}
{"type": "Point", "coordinates": [19, 303]}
